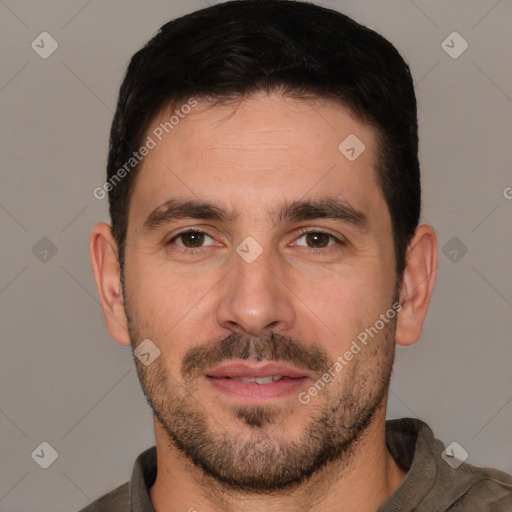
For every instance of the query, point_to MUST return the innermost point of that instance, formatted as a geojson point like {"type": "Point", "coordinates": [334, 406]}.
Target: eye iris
{"type": "Point", "coordinates": [195, 238]}
{"type": "Point", "coordinates": [318, 238]}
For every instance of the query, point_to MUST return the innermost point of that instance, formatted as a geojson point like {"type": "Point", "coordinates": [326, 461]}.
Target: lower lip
{"type": "Point", "coordinates": [254, 392]}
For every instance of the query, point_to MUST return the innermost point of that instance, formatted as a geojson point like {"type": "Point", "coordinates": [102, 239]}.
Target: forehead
{"type": "Point", "coordinates": [258, 152]}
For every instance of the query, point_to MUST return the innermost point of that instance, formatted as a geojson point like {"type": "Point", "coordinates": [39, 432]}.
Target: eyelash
{"type": "Point", "coordinates": [302, 232]}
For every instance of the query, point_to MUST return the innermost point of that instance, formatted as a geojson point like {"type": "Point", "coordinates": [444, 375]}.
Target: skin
{"type": "Point", "coordinates": [251, 157]}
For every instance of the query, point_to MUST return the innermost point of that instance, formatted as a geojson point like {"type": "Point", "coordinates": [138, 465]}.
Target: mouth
{"type": "Point", "coordinates": [257, 382]}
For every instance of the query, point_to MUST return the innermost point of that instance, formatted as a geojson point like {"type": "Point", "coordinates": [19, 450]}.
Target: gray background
{"type": "Point", "coordinates": [64, 381]}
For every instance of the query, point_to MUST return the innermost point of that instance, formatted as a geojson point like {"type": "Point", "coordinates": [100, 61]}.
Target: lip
{"type": "Point", "coordinates": [246, 369]}
{"type": "Point", "coordinates": [221, 379]}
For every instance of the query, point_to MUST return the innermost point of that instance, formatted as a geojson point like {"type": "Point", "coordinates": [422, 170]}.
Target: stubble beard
{"type": "Point", "coordinates": [261, 461]}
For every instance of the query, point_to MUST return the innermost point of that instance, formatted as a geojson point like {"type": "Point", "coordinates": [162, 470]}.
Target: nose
{"type": "Point", "coordinates": [256, 297]}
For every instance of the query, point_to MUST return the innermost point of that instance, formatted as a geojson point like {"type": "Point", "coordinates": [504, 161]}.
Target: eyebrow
{"type": "Point", "coordinates": [291, 211]}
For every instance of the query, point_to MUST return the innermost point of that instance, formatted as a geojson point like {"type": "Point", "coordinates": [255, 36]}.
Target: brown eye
{"type": "Point", "coordinates": [318, 239]}
{"type": "Point", "coordinates": [192, 239]}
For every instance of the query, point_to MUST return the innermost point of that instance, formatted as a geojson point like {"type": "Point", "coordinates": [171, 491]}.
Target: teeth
{"type": "Point", "coordinates": [258, 380]}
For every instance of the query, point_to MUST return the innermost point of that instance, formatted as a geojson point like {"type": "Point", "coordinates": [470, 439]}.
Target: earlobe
{"type": "Point", "coordinates": [106, 270]}
{"type": "Point", "coordinates": [417, 285]}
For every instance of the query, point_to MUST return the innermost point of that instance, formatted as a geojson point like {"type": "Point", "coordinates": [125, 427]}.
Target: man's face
{"type": "Point", "coordinates": [253, 296]}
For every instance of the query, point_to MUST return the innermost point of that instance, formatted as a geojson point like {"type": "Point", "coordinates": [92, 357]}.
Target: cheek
{"type": "Point", "coordinates": [161, 299]}
{"type": "Point", "coordinates": [343, 304]}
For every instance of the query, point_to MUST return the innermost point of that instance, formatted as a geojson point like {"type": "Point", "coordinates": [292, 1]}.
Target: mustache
{"type": "Point", "coordinates": [271, 347]}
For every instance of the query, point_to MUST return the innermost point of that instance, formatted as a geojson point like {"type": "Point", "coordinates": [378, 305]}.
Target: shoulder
{"type": "Point", "coordinates": [434, 482]}
{"type": "Point", "coordinates": [465, 486]}
{"type": "Point", "coordinates": [117, 500]}
{"type": "Point", "coordinates": [489, 489]}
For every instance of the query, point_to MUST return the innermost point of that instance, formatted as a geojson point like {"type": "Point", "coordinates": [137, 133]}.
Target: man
{"type": "Point", "coordinates": [263, 260]}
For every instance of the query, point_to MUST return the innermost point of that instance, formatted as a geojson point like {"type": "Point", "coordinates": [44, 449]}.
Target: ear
{"type": "Point", "coordinates": [107, 274]}
{"type": "Point", "coordinates": [417, 285]}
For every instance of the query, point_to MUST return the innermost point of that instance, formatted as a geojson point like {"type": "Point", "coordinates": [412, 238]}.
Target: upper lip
{"type": "Point", "coordinates": [254, 370]}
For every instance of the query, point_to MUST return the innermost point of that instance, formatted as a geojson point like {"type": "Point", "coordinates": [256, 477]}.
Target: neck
{"type": "Point", "coordinates": [360, 484]}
